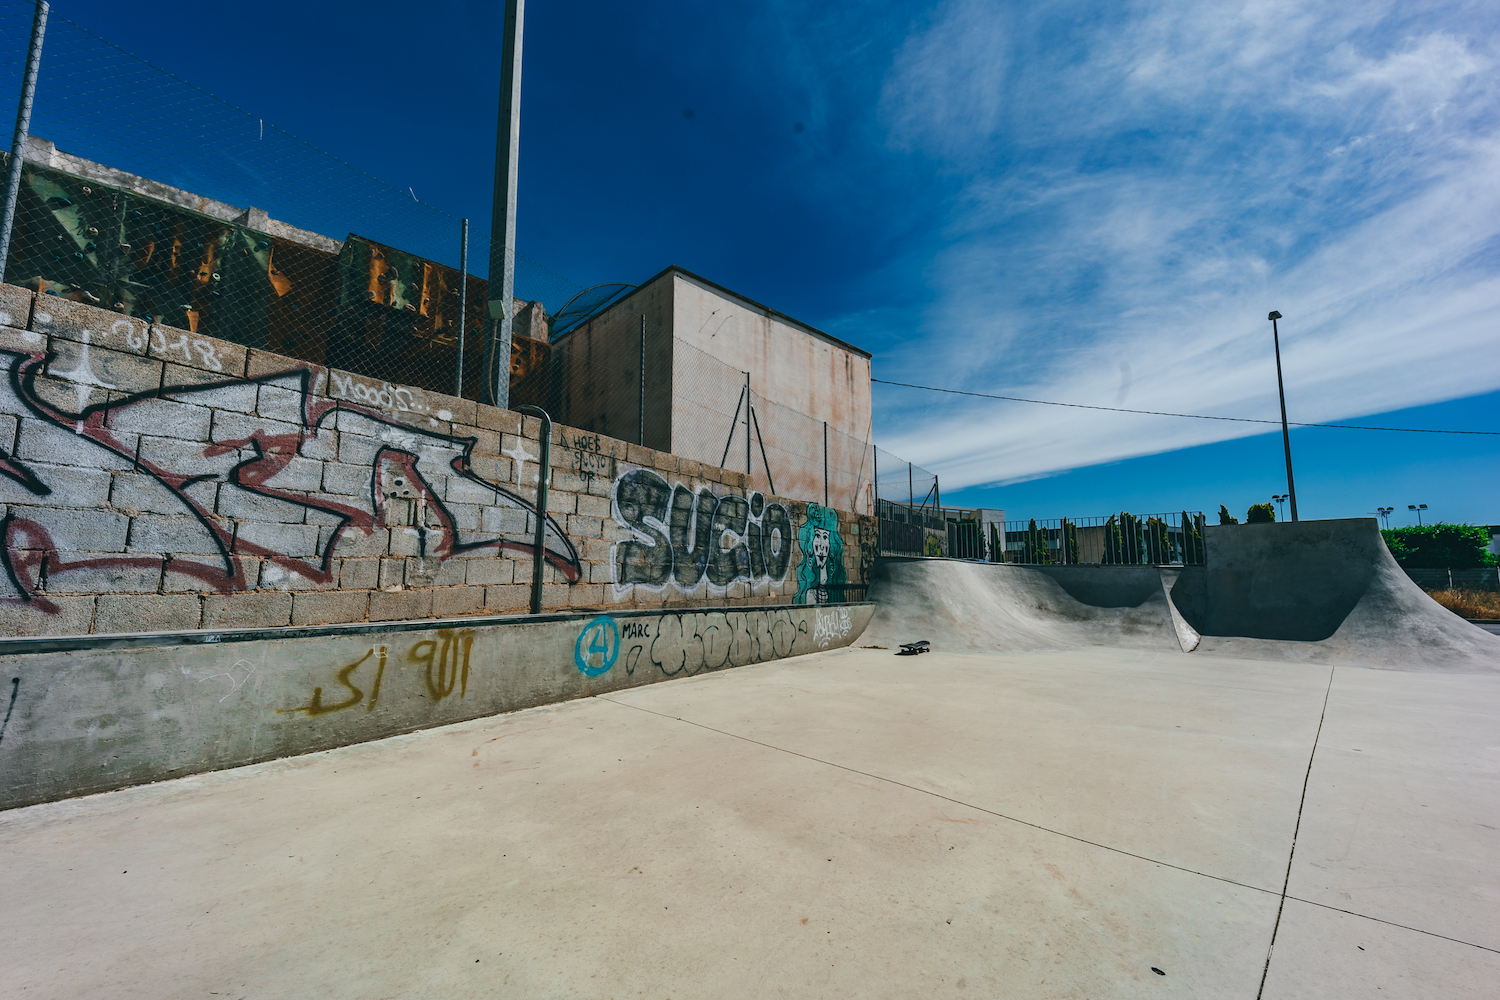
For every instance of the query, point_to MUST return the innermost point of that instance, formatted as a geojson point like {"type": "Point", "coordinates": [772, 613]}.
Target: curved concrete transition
{"type": "Point", "coordinates": [1314, 591]}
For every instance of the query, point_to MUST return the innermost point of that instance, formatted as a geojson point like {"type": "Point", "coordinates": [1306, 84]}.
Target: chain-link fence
{"type": "Point", "coordinates": [145, 194]}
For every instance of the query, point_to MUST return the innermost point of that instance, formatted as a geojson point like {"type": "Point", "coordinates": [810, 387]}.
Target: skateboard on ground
{"type": "Point", "coordinates": [913, 648]}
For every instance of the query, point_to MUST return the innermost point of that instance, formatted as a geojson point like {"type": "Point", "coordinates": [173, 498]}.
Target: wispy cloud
{"type": "Point", "coordinates": [1137, 191]}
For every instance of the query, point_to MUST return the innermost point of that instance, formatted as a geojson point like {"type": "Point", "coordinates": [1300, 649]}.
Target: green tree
{"type": "Point", "coordinates": [1069, 543]}
{"type": "Point", "coordinates": [1260, 513]}
{"type": "Point", "coordinates": [1192, 539]}
{"type": "Point", "coordinates": [1440, 546]}
{"type": "Point", "coordinates": [1225, 517]}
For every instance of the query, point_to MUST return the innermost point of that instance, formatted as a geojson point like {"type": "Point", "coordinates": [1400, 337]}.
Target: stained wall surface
{"type": "Point", "coordinates": [153, 479]}
{"type": "Point", "coordinates": [88, 716]}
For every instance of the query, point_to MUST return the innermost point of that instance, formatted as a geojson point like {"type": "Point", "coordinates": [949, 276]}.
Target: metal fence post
{"type": "Point", "coordinates": [463, 307]}
{"type": "Point", "coordinates": [23, 129]}
{"type": "Point", "coordinates": [748, 470]}
{"type": "Point", "coordinates": [545, 473]}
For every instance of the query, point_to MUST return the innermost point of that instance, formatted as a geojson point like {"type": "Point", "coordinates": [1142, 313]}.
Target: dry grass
{"type": "Point", "coordinates": [1481, 604]}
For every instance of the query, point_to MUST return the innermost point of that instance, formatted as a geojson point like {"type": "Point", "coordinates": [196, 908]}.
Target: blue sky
{"type": "Point", "coordinates": [1038, 200]}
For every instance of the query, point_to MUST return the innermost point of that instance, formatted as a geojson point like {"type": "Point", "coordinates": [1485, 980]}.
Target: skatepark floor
{"type": "Point", "coordinates": [845, 824]}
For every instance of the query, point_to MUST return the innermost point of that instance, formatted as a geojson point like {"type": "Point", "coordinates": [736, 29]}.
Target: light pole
{"type": "Point", "coordinates": [1286, 437]}
{"type": "Point", "coordinates": [1278, 499]}
{"type": "Point", "coordinates": [1418, 507]}
{"type": "Point", "coordinates": [1385, 515]}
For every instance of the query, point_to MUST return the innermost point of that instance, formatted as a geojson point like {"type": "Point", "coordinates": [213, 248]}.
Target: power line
{"type": "Point", "coordinates": [1163, 413]}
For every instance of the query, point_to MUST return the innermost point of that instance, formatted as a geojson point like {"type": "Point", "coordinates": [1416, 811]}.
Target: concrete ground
{"type": "Point", "coordinates": [844, 824]}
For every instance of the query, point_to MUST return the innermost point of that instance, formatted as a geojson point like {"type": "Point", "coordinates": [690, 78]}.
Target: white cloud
{"type": "Point", "coordinates": [1180, 173]}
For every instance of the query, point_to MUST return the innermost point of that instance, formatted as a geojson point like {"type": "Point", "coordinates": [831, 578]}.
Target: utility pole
{"type": "Point", "coordinates": [23, 129]}
{"type": "Point", "coordinates": [1286, 437]}
{"type": "Point", "coordinates": [502, 283]}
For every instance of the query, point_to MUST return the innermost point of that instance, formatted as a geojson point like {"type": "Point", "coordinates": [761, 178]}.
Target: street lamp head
{"type": "Point", "coordinates": [1274, 315]}
{"type": "Point", "coordinates": [1411, 506]}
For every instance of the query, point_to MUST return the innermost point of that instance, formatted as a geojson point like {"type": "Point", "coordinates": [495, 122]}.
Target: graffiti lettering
{"type": "Point", "coordinates": [685, 536]}
{"type": "Point", "coordinates": [832, 626]}
{"type": "Point", "coordinates": [315, 705]}
{"type": "Point", "coordinates": [710, 640]}
{"type": "Point", "coordinates": [444, 654]}
{"type": "Point", "coordinates": [391, 397]}
{"type": "Point", "coordinates": [416, 478]}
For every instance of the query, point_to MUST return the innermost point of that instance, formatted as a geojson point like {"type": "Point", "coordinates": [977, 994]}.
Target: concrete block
{"type": "Point", "coordinates": [15, 306]}
{"type": "Point", "coordinates": [280, 403]}
{"type": "Point", "coordinates": [435, 573]}
{"type": "Point", "coordinates": [161, 418]}
{"type": "Point", "coordinates": [559, 505]}
{"type": "Point", "coordinates": [298, 474]}
{"type": "Point", "coordinates": [71, 486]}
{"type": "Point", "coordinates": [465, 515]}
{"type": "Point", "coordinates": [400, 605]}
{"type": "Point", "coordinates": [147, 612]}
{"type": "Point", "coordinates": [177, 534]}
{"type": "Point", "coordinates": [329, 608]}
{"type": "Point", "coordinates": [237, 396]}
{"type": "Point", "coordinates": [531, 429]}
{"type": "Point", "coordinates": [600, 487]}
{"type": "Point", "coordinates": [280, 575]}
{"type": "Point", "coordinates": [585, 595]}
{"type": "Point", "coordinates": [689, 469]}
{"type": "Point", "coordinates": [101, 368]}
{"type": "Point", "coordinates": [555, 595]}
{"type": "Point", "coordinates": [86, 324]}
{"type": "Point", "coordinates": [493, 469]}
{"type": "Point", "coordinates": [259, 609]}
{"type": "Point", "coordinates": [600, 572]}
{"type": "Point", "coordinates": [193, 350]}
{"type": "Point", "coordinates": [70, 397]}
{"type": "Point", "coordinates": [522, 571]}
{"type": "Point", "coordinates": [355, 543]}
{"type": "Point", "coordinates": [238, 503]}
{"type": "Point", "coordinates": [127, 576]}
{"type": "Point", "coordinates": [296, 540]}
{"type": "Point", "coordinates": [72, 529]}
{"type": "Point", "coordinates": [507, 598]}
{"type": "Point", "coordinates": [637, 455]}
{"type": "Point", "coordinates": [592, 506]}
{"type": "Point", "coordinates": [393, 573]}
{"type": "Point", "coordinates": [40, 441]}
{"type": "Point", "coordinates": [207, 574]}
{"type": "Point", "coordinates": [505, 520]}
{"type": "Point", "coordinates": [22, 341]}
{"type": "Point", "coordinates": [596, 550]}
{"type": "Point", "coordinates": [69, 616]}
{"type": "Point", "coordinates": [347, 480]}
{"type": "Point", "coordinates": [10, 429]}
{"type": "Point", "coordinates": [488, 572]}
{"type": "Point", "coordinates": [579, 526]}
{"type": "Point", "coordinates": [233, 426]}
{"type": "Point", "coordinates": [407, 542]}
{"type": "Point", "coordinates": [495, 419]}
{"type": "Point", "coordinates": [457, 489]}
{"type": "Point", "coordinates": [259, 364]}
{"type": "Point", "coordinates": [359, 574]}
{"type": "Point", "coordinates": [452, 601]}
{"type": "Point", "coordinates": [486, 442]}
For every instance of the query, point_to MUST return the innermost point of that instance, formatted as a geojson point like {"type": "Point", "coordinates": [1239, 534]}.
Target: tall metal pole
{"type": "Point", "coordinates": [463, 308]}
{"type": "Point", "coordinates": [23, 129]}
{"type": "Point", "coordinates": [502, 283]}
{"type": "Point", "coordinates": [643, 380]}
{"type": "Point", "coordinates": [1286, 437]}
{"type": "Point", "coordinates": [539, 540]}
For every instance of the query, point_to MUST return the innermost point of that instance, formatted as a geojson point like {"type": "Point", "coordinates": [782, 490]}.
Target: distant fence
{"type": "Point", "coordinates": [1122, 539]}
{"type": "Point", "coordinates": [1483, 578]}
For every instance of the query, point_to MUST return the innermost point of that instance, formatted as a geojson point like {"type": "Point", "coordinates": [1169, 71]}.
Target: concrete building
{"type": "Point", "coordinates": [667, 365]}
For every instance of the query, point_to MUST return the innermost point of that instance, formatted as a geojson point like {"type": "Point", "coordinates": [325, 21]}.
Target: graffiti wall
{"type": "Point", "coordinates": [92, 716]}
{"type": "Point", "coordinates": [155, 479]}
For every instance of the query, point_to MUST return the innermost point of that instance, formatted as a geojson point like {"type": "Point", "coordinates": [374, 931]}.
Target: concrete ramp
{"type": "Point", "coordinates": [1313, 591]}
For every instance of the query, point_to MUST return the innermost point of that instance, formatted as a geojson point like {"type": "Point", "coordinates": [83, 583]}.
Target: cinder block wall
{"type": "Point", "coordinates": [154, 479]}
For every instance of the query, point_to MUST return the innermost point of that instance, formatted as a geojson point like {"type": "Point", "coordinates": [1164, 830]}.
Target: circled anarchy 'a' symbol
{"type": "Point", "coordinates": [597, 647]}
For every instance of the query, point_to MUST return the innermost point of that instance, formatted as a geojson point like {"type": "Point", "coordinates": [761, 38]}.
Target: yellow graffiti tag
{"type": "Point", "coordinates": [315, 705]}
{"type": "Point", "coordinates": [445, 658]}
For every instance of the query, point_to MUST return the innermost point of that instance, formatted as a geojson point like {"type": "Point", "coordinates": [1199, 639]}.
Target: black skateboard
{"type": "Point", "coordinates": [913, 648]}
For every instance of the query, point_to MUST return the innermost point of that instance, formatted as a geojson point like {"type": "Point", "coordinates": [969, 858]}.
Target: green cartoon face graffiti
{"type": "Point", "coordinates": [822, 557]}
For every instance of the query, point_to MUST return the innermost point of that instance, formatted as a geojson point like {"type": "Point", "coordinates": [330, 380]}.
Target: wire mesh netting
{"type": "Point", "coordinates": [900, 481]}
{"type": "Point", "coordinates": [145, 194]}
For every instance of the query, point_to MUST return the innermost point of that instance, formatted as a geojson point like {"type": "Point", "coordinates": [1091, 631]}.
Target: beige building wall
{"type": "Point", "coordinates": [800, 377]}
